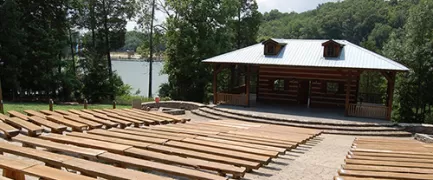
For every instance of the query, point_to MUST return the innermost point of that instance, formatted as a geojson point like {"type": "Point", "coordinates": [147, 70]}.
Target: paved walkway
{"type": "Point", "coordinates": [319, 159]}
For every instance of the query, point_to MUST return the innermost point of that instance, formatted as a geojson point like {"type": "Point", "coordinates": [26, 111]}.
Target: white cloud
{"type": "Point", "coordinates": [264, 6]}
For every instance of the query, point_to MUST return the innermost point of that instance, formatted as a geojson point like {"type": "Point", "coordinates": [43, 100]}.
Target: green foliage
{"type": "Point", "coordinates": [199, 29]}
{"type": "Point", "coordinates": [413, 46]}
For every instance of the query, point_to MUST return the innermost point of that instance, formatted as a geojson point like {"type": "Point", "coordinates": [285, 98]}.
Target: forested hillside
{"type": "Point", "coordinates": [398, 29]}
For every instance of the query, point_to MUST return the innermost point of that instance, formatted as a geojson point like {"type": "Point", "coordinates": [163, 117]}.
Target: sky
{"type": "Point", "coordinates": [265, 6]}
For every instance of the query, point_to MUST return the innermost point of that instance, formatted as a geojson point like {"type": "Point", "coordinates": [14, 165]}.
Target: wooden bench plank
{"type": "Point", "coordinates": [55, 128]}
{"type": "Point", "coordinates": [374, 154]}
{"type": "Point", "coordinates": [264, 147]}
{"type": "Point", "coordinates": [128, 136]}
{"type": "Point", "coordinates": [89, 143]}
{"type": "Point", "coordinates": [218, 151]}
{"type": "Point", "coordinates": [147, 121]}
{"type": "Point", "coordinates": [231, 147]}
{"type": "Point", "coordinates": [150, 134]}
{"type": "Point", "coordinates": [287, 143]}
{"type": "Point", "coordinates": [161, 120]}
{"type": "Point", "coordinates": [157, 120]}
{"type": "Point", "coordinates": [204, 156]}
{"type": "Point", "coordinates": [103, 116]}
{"type": "Point", "coordinates": [74, 125]}
{"type": "Point", "coordinates": [136, 122]}
{"type": "Point", "coordinates": [85, 152]}
{"type": "Point", "coordinates": [358, 178]}
{"type": "Point", "coordinates": [195, 163]}
{"type": "Point", "coordinates": [279, 139]}
{"type": "Point", "coordinates": [169, 116]}
{"type": "Point", "coordinates": [149, 165]}
{"type": "Point", "coordinates": [388, 163]}
{"type": "Point", "coordinates": [256, 141]}
{"type": "Point", "coordinates": [3, 117]}
{"type": "Point", "coordinates": [387, 169]}
{"type": "Point", "coordinates": [92, 124]}
{"type": "Point", "coordinates": [33, 130]}
{"type": "Point", "coordinates": [65, 113]}
{"type": "Point", "coordinates": [50, 113]}
{"type": "Point", "coordinates": [391, 152]}
{"type": "Point", "coordinates": [88, 167]}
{"type": "Point", "coordinates": [138, 144]}
{"type": "Point", "coordinates": [107, 123]}
{"type": "Point", "coordinates": [374, 174]}
{"type": "Point", "coordinates": [34, 113]}
{"type": "Point", "coordinates": [391, 159]}
{"type": "Point", "coordinates": [108, 171]}
{"type": "Point", "coordinates": [8, 130]}
{"type": "Point", "coordinates": [182, 130]}
{"type": "Point", "coordinates": [51, 173]}
{"type": "Point", "coordinates": [155, 131]}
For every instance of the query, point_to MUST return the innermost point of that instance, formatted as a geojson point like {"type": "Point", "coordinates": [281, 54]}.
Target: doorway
{"type": "Point", "coordinates": [304, 92]}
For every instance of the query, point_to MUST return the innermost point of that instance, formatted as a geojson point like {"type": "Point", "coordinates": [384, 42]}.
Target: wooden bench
{"type": "Point", "coordinates": [126, 115]}
{"type": "Point", "coordinates": [136, 123]}
{"type": "Point", "coordinates": [145, 154]}
{"type": "Point", "coordinates": [74, 125]}
{"type": "Point", "coordinates": [77, 151]}
{"type": "Point", "coordinates": [51, 113]}
{"type": "Point", "coordinates": [392, 175]}
{"type": "Point", "coordinates": [65, 113]}
{"type": "Point", "coordinates": [8, 130]}
{"type": "Point", "coordinates": [3, 117]}
{"type": "Point", "coordinates": [34, 113]}
{"type": "Point", "coordinates": [106, 123]}
{"type": "Point", "coordinates": [161, 120]}
{"type": "Point", "coordinates": [128, 136]}
{"type": "Point", "coordinates": [250, 145]}
{"type": "Point", "coordinates": [156, 131]}
{"type": "Point", "coordinates": [147, 134]}
{"type": "Point", "coordinates": [91, 168]}
{"type": "Point", "coordinates": [16, 169]}
{"type": "Point", "coordinates": [32, 129]}
{"type": "Point", "coordinates": [387, 169]}
{"type": "Point", "coordinates": [88, 143]}
{"type": "Point", "coordinates": [149, 165]}
{"type": "Point", "coordinates": [122, 123]}
{"type": "Point", "coordinates": [157, 120]}
{"type": "Point", "coordinates": [92, 124]}
{"type": "Point", "coordinates": [161, 114]}
{"type": "Point", "coordinates": [54, 127]}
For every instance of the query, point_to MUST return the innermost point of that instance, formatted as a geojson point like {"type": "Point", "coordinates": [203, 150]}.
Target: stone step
{"type": "Point", "coordinates": [343, 123]}
{"type": "Point", "coordinates": [302, 125]}
{"type": "Point", "coordinates": [206, 115]}
{"type": "Point", "coordinates": [370, 133]}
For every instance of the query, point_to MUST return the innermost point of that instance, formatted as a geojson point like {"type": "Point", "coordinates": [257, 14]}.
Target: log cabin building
{"type": "Point", "coordinates": [310, 73]}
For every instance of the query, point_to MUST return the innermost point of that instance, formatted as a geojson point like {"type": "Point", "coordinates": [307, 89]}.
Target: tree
{"type": "Point", "coordinates": [413, 47]}
{"type": "Point", "coordinates": [196, 30]}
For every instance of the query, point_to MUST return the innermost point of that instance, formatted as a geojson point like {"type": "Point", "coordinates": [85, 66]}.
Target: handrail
{"type": "Point", "coordinates": [370, 111]}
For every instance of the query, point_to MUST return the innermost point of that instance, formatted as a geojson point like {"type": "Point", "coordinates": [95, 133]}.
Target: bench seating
{"type": "Point", "coordinates": [136, 123]}
{"type": "Point", "coordinates": [387, 158]}
{"type": "Point", "coordinates": [55, 128]}
{"type": "Point", "coordinates": [32, 129]}
{"type": "Point", "coordinates": [17, 169]}
{"type": "Point", "coordinates": [8, 130]}
{"type": "Point", "coordinates": [123, 123]}
{"type": "Point", "coordinates": [74, 125]}
{"type": "Point", "coordinates": [160, 120]}
{"type": "Point", "coordinates": [50, 113]}
{"type": "Point", "coordinates": [34, 113]}
{"type": "Point", "coordinates": [3, 117]}
{"type": "Point", "coordinates": [92, 124]}
{"type": "Point", "coordinates": [114, 157]}
{"type": "Point", "coordinates": [91, 168]}
{"type": "Point", "coordinates": [126, 115]}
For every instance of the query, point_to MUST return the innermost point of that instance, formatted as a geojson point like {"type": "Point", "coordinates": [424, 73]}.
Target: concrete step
{"type": "Point", "coordinates": [206, 115]}
{"type": "Point", "coordinates": [343, 123]}
{"type": "Point", "coordinates": [331, 129]}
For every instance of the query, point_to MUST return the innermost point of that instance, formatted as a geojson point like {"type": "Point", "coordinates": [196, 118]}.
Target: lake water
{"type": "Point", "coordinates": [136, 74]}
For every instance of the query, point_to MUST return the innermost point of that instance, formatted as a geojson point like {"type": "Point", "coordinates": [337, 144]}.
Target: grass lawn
{"type": "Point", "coordinates": [20, 107]}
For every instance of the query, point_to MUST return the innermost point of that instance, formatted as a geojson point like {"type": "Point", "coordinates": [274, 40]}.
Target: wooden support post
{"type": "Point", "coordinates": [1, 107]}
{"type": "Point", "coordinates": [114, 104]}
{"type": "Point", "coordinates": [391, 85]}
{"type": "Point", "coordinates": [85, 103]}
{"type": "Point", "coordinates": [51, 104]}
{"type": "Point", "coordinates": [214, 84]}
{"type": "Point", "coordinates": [349, 80]}
{"type": "Point", "coordinates": [13, 174]}
{"type": "Point", "coordinates": [247, 85]}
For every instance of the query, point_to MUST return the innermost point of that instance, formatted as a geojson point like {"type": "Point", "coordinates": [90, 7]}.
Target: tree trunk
{"type": "Point", "coordinates": [92, 22]}
{"type": "Point", "coordinates": [107, 48]}
{"type": "Point", "coordinates": [72, 52]}
{"type": "Point", "coordinates": [151, 49]}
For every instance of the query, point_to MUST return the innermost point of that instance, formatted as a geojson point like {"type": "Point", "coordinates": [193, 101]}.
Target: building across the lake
{"type": "Point", "coordinates": [310, 73]}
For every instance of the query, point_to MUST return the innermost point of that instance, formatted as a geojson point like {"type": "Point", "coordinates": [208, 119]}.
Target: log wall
{"type": "Point", "coordinates": [297, 82]}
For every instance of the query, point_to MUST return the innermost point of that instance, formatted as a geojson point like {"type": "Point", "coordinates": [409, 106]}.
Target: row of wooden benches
{"type": "Point", "coordinates": [58, 121]}
{"type": "Point", "coordinates": [202, 150]}
{"type": "Point", "coordinates": [388, 158]}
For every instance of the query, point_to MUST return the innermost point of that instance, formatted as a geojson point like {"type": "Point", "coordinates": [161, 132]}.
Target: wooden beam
{"type": "Point", "coordinates": [214, 84]}
{"type": "Point", "coordinates": [347, 94]}
{"type": "Point", "coordinates": [391, 85]}
{"type": "Point", "coordinates": [247, 85]}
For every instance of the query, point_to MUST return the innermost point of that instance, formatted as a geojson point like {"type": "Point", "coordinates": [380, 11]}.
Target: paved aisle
{"type": "Point", "coordinates": [318, 159]}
